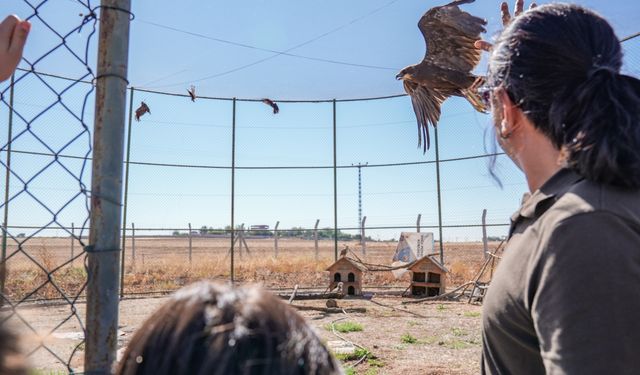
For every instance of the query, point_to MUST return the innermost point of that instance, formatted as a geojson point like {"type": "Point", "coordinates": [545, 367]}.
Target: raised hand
{"type": "Point", "coordinates": [506, 20]}
{"type": "Point", "coordinates": [13, 36]}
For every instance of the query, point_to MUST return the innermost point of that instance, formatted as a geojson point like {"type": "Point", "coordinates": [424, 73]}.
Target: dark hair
{"type": "Point", "coordinates": [11, 359]}
{"type": "Point", "coordinates": [209, 328]}
{"type": "Point", "coordinates": [560, 64]}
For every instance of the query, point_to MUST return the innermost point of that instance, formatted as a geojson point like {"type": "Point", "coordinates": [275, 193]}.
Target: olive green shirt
{"type": "Point", "coordinates": [565, 298]}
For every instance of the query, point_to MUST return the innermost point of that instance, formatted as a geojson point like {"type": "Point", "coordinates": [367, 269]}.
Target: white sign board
{"type": "Point", "coordinates": [411, 246]}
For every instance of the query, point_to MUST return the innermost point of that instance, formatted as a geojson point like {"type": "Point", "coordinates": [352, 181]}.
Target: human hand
{"type": "Point", "coordinates": [13, 36]}
{"type": "Point", "coordinates": [506, 19]}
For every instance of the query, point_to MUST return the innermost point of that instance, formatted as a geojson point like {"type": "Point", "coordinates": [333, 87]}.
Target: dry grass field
{"type": "Point", "coordinates": [427, 338]}
{"type": "Point", "coordinates": [161, 264]}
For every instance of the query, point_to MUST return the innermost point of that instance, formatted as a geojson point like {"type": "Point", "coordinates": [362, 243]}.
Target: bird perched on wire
{"type": "Point", "coordinates": [272, 104]}
{"type": "Point", "coordinates": [445, 71]}
{"type": "Point", "coordinates": [192, 93]}
{"type": "Point", "coordinates": [144, 108]}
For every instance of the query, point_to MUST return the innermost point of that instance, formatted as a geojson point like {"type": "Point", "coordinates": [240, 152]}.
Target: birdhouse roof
{"type": "Point", "coordinates": [346, 261]}
{"type": "Point", "coordinates": [424, 259]}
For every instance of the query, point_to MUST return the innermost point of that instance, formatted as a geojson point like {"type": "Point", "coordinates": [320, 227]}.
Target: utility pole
{"type": "Point", "coordinates": [360, 165]}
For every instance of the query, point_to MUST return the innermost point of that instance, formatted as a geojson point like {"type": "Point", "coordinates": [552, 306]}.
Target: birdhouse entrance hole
{"type": "Point", "coordinates": [351, 277]}
{"type": "Point", "coordinates": [351, 290]}
{"type": "Point", "coordinates": [337, 277]}
{"type": "Point", "coordinates": [432, 292]}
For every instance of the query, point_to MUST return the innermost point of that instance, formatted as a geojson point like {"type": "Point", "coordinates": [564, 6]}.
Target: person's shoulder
{"type": "Point", "coordinates": [590, 198]}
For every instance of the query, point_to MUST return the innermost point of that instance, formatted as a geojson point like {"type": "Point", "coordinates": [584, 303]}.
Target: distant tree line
{"type": "Point", "coordinates": [295, 232]}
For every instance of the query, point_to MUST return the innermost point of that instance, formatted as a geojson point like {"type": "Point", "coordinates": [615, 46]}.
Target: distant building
{"type": "Point", "coordinates": [428, 277]}
{"type": "Point", "coordinates": [349, 273]}
{"type": "Point", "coordinates": [259, 227]}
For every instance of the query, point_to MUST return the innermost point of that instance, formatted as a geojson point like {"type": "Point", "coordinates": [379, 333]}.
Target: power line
{"type": "Point", "coordinates": [279, 53]}
{"type": "Point", "coordinates": [284, 53]}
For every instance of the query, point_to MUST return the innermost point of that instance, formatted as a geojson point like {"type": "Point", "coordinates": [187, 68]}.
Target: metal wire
{"type": "Point", "coordinates": [31, 131]}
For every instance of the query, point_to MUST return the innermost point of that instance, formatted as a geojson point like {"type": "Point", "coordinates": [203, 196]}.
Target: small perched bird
{"type": "Point", "coordinates": [272, 104]}
{"type": "Point", "coordinates": [445, 71]}
{"type": "Point", "coordinates": [192, 93]}
{"type": "Point", "coordinates": [338, 288]}
{"type": "Point", "coordinates": [144, 108]}
{"type": "Point", "coordinates": [343, 252]}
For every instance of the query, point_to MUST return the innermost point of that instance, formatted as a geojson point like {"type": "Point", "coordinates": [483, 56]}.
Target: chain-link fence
{"type": "Point", "coordinates": [45, 158]}
{"type": "Point", "coordinates": [46, 153]}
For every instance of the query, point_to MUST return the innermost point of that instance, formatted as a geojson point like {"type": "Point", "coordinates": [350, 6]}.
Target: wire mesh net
{"type": "Point", "coordinates": [44, 157]}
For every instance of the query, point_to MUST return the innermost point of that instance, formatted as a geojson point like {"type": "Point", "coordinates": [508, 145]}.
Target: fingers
{"type": "Point", "coordinates": [519, 8]}
{"type": "Point", "coordinates": [481, 44]}
{"type": "Point", "coordinates": [19, 38]}
{"type": "Point", "coordinates": [6, 30]}
{"type": "Point", "coordinates": [504, 11]}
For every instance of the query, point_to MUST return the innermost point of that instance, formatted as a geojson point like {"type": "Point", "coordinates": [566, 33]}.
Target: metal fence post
{"type": "Point", "coordinates": [435, 130]}
{"type": "Point", "coordinates": [133, 246]}
{"type": "Point", "coordinates": [7, 178]}
{"type": "Point", "coordinates": [73, 240]}
{"type": "Point", "coordinates": [233, 182]}
{"type": "Point", "coordinates": [275, 239]}
{"type": "Point", "coordinates": [315, 237]}
{"type": "Point", "coordinates": [418, 223]}
{"type": "Point", "coordinates": [484, 234]}
{"type": "Point", "coordinates": [363, 243]}
{"type": "Point", "coordinates": [103, 251]}
{"type": "Point", "coordinates": [335, 185]}
{"type": "Point", "coordinates": [190, 245]}
{"type": "Point", "coordinates": [126, 196]}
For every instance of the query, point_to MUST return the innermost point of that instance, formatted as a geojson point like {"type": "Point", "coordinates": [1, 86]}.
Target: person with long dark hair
{"type": "Point", "coordinates": [210, 328]}
{"type": "Point", "coordinates": [565, 298]}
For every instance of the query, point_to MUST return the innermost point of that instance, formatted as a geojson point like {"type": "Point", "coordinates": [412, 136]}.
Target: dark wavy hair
{"type": "Point", "coordinates": [209, 328]}
{"type": "Point", "coordinates": [560, 64]}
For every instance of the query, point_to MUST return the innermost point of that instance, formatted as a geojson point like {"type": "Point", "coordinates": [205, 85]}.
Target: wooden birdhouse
{"type": "Point", "coordinates": [349, 273]}
{"type": "Point", "coordinates": [428, 277]}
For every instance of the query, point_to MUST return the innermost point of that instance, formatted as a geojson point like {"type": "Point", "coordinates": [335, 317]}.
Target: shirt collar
{"type": "Point", "coordinates": [557, 185]}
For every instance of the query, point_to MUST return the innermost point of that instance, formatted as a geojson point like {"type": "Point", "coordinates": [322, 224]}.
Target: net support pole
{"type": "Point", "coordinates": [233, 186]}
{"type": "Point", "coordinates": [335, 185]}
{"type": "Point", "coordinates": [435, 130]}
{"type": "Point", "coordinates": [126, 196]}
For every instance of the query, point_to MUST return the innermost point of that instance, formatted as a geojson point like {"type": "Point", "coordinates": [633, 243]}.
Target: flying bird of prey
{"type": "Point", "coordinates": [144, 108]}
{"type": "Point", "coordinates": [192, 93]}
{"type": "Point", "coordinates": [445, 71]}
{"type": "Point", "coordinates": [272, 104]}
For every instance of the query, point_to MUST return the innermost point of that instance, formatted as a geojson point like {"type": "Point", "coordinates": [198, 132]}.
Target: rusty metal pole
{"type": "Point", "coordinates": [103, 251]}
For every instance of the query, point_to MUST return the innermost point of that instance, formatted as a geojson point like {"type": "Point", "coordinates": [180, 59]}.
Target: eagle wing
{"type": "Point", "coordinates": [426, 104]}
{"type": "Point", "coordinates": [449, 34]}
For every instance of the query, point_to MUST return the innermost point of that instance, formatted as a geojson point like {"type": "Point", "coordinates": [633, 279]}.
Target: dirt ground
{"type": "Point", "coordinates": [426, 338]}
{"type": "Point", "coordinates": [439, 337]}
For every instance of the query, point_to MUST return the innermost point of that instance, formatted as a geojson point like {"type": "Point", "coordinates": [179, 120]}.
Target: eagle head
{"type": "Point", "coordinates": [406, 73]}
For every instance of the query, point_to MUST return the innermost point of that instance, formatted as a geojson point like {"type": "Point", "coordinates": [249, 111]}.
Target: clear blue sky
{"type": "Point", "coordinates": [199, 42]}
